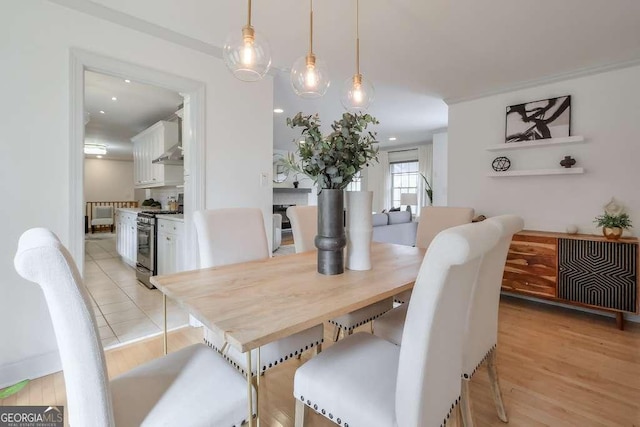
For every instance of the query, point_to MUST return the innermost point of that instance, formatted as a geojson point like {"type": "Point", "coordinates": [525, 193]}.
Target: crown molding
{"type": "Point", "coordinates": [131, 22]}
{"type": "Point", "coordinates": [583, 72]}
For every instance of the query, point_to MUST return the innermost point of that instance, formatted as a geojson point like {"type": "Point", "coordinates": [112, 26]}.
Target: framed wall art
{"type": "Point", "coordinates": [549, 118]}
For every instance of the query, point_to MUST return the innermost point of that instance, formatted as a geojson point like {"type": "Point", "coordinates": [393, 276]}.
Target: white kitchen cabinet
{"type": "Point", "coordinates": [149, 145]}
{"type": "Point", "coordinates": [170, 246]}
{"type": "Point", "coordinates": [127, 236]}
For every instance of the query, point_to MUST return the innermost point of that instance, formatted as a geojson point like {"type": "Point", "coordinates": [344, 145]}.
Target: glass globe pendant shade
{"type": "Point", "coordinates": [357, 94]}
{"type": "Point", "coordinates": [247, 55]}
{"type": "Point", "coordinates": [309, 77]}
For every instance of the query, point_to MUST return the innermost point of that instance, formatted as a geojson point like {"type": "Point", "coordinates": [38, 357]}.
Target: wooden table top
{"type": "Point", "coordinates": [252, 304]}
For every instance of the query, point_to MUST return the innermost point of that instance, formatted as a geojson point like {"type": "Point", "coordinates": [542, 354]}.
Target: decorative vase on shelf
{"type": "Point", "coordinates": [331, 239]}
{"type": "Point", "coordinates": [359, 229]}
{"type": "Point", "coordinates": [612, 233]}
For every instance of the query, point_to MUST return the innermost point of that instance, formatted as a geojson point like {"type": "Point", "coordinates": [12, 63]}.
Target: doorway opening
{"type": "Point", "coordinates": [132, 116]}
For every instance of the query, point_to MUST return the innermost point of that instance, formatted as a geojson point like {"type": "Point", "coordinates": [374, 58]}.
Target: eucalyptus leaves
{"type": "Point", "coordinates": [333, 161]}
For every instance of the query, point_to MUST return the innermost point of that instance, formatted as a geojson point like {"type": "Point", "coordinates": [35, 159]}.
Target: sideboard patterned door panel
{"type": "Point", "coordinates": [601, 274]}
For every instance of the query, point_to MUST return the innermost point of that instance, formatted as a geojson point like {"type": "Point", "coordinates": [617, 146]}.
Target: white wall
{"type": "Point", "coordinates": [37, 38]}
{"type": "Point", "coordinates": [108, 180]}
{"type": "Point", "coordinates": [605, 110]}
{"type": "Point", "coordinates": [440, 169]}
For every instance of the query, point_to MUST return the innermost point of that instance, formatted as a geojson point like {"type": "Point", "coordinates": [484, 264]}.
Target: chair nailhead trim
{"type": "Point", "coordinates": [467, 376]}
{"type": "Point", "coordinates": [444, 421]}
{"type": "Point", "coordinates": [352, 327]}
{"type": "Point", "coordinates": [264, 367]}
{"type": "Point", "coordinates": [322, 411]}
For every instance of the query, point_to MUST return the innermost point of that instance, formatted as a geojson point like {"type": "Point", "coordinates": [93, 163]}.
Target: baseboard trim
{"type": "Point", "coordinates": [31, 368]}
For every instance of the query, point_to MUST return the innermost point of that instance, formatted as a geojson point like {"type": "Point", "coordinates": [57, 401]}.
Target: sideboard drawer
{"type": "Point", "coordinates": [531, 266]}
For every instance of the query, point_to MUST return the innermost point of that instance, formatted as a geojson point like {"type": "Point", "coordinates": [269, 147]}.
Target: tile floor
{"type": "Point", "coordinates": [124, 308]}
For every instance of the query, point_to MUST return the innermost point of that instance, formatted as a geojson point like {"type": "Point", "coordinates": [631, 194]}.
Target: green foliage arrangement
{"type": "Point", "coordinates": [333, 161]}
{"type": "Point", "coordinates": [613, 221]}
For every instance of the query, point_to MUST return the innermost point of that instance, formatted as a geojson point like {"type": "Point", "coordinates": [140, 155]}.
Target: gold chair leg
{"type": "Point", "coordinates": [465, 405]}
{"type": "Point", "coordinates": [301, 410]}
{"type": "Point", "coordinates": [336, 333]}
{"type": "Point", "coordinates": [318, 349]}
{"type": "Point", "coordinates": [495, 387]}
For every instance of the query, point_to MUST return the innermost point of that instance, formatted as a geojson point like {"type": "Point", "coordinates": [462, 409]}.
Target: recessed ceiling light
{"type": "Point", "coordinates": [113, 98]}
{"type": "Point", "coordinates": [393, 138]}
{"type": "Point", "coordinates": [99, 157]}
{"type": "Point", "coordinates": [127, 81]}
{"type": "Point", "coordinates": [278, 110]}
{"type": "Point", "coordinates": [97, 149]}
{"type": "Point", "coordinates": [101, 111]}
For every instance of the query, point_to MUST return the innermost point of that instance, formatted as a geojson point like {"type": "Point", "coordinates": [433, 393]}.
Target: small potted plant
{"type": "Point", "coordinates": [614, 220]}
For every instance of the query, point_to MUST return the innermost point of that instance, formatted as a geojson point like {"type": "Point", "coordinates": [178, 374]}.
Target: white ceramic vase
{"type": "Point", "coordinates": [359, 229]}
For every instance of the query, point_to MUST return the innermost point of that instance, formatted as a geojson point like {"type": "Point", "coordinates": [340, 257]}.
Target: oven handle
{"type": "Point", "coordinates": [145, 227]}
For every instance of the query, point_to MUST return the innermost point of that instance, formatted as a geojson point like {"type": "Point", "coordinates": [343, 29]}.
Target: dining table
{"type": "Point", "coordinates": [251, 304]}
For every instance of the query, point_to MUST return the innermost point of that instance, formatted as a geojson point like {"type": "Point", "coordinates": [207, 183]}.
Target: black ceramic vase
{"type": "Point", "coordinates": [331, 238]}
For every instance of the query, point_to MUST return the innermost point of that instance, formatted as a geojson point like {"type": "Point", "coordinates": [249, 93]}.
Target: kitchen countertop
{"type": "Point", "coordinates": [172, 217]}
{"type": "Point", "coordinates": [130, 210]}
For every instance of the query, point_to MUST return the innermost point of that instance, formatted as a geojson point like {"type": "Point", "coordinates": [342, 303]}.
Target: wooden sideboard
{"type": "Point", "coordinates": [578, 269]}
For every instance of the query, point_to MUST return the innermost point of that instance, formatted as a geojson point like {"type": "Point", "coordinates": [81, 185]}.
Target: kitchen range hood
{"type": "Point", "coordinates": [173, 156]}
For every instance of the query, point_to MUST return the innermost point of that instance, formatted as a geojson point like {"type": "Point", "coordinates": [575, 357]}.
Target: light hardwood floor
{"type": "Point", "coordinates": [558, 368]}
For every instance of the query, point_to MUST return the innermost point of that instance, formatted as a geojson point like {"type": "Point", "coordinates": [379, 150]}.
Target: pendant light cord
{"type": "Point", "coordinates": [311, 29]}
{"type": "Point", "coordinates": [358, 37]}
{"type": "Point", "coordinates": [249, 14]}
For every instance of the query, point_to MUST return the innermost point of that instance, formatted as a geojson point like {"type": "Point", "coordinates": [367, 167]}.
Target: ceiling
{"type": "Point", "coordinates": [137, 107]}
{"type": "Point", "coordinates": [416, 52]}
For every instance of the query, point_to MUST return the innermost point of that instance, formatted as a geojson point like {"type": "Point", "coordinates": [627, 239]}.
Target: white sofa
{"type": "Point", "coordinates": [395, 227]}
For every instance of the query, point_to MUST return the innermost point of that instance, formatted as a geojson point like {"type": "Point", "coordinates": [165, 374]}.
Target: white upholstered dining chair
{"type": "Point", "coordinates": [235, 235]}
{"type": "Point", "coordinates": [364, 380]}
{"type": "Point", "coordinates": [190, 387]}
{"type": "Point", "coordinates": [434, 219]}
{"type": "Point", "coordinates": [481, 330]}
{"type": "Point", "coordinates": [304, 226]}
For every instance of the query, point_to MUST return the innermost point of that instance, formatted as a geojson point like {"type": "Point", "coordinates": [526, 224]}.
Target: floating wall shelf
{"type": "Point", "coordinates": [536, 143]}
{"type": "Point", "coordinates": [291, 190]}
{"type": "Point", "coordinates": [557, 171]}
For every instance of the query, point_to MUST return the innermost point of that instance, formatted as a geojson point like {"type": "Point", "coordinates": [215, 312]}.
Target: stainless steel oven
{"type": "Point", "coordinates": [146, 262]}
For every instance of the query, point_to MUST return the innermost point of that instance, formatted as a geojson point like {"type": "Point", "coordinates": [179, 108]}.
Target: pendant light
{"type": "Point", "coordinates": [309, 75]}
{"type": "Point", "coordinates": [357, 92]}
{"type": "Point", "coordinates": [247, 53]}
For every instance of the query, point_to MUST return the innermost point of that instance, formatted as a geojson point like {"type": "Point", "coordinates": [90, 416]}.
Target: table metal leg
{"type": "Point", "coordinates": [250, 390]}
{"type": "Point", "coordinates": [164, 309]}
{"type": "Point", "coordinates": [258, 388]}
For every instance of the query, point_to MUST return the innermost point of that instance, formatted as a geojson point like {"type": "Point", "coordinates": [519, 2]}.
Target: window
{"type": "Point", "coordinates": [356, 183]}
{"type": "Point", "coordinates": [404, 179]}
